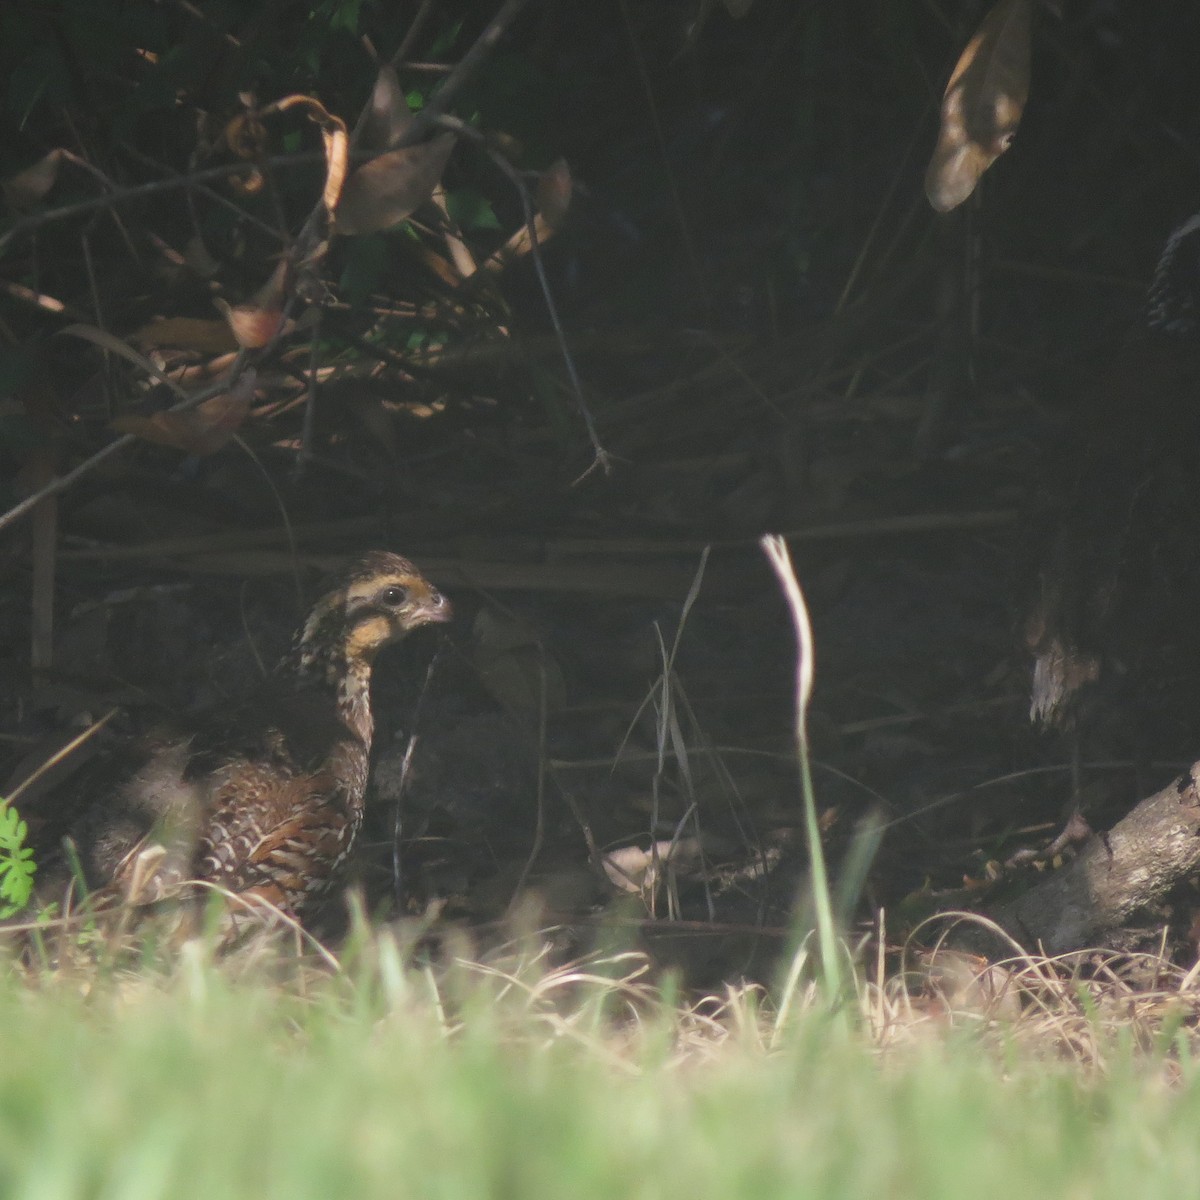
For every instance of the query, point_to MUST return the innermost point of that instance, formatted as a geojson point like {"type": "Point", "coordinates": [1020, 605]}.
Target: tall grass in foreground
{"type": "Point", "coordinates": [279, 1078]}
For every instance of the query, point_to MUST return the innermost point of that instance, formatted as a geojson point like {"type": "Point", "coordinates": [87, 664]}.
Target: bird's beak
{"type": "Point", "coordinates": [435, 608]}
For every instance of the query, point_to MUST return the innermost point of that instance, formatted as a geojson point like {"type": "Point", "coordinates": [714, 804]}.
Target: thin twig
{"type": "Point", "coordinates": [60, 754]}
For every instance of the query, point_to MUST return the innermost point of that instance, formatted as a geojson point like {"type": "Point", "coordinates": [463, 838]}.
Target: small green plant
{"type": "Point", "coordinates": [17, 867]}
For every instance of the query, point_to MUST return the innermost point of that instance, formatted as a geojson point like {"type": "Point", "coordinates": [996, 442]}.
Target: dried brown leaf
{"type": "Point", "coordinates": [437, 264]}
{"type": "Point", "coordinates": [390, 188]}
{"type": "Point", "coordinates": [185, 333]}
{"type": "Point", "coordinates": [333, 135]}
{"type": "Point", "coordinates": [553, 198]}
{"type": "Point", "coordinates": [337, 159]}
{"type": "Point", "coordinates": [258, 321]}
{"type": "Point", "coordinates": [253, 327]}
{"type": "Point", "coordinates": [311, 105]}
{"type": "Point", "coordinates": [388, 119]}
{"type": "Point", "coordinates": [26, 188]}
{"type": "Point", "coordinates": [200, 430]}
{"type": "Point", "coordinates": [982, 106]}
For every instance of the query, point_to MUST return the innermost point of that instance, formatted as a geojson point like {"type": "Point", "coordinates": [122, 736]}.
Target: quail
{"type": "Point", "coordinates": [265, 798]}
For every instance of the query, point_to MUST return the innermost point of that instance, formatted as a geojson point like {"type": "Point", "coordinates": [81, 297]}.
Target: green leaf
{"type": "Point", "coordinates": [17, 868]}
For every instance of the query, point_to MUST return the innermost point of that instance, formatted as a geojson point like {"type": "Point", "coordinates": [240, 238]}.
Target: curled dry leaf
{"type": "Point", "coordinates": [334, 137]}
{"type": "Point", "coordinates": [260, 320]}
{"type": "Point", "coordinates": [390, 188]}
{"type": "Point", "coordinates": [983, 104]}
{"type": "Point", "coordinates": [337, 159]}
{"type": "Point", "coordinates": [26, 188]}
{"type": "Point", "coordinates": [200, 430]}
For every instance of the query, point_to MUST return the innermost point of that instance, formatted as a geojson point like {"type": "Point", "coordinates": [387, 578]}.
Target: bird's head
{"type": "Point", "coordinates": [381, 598]}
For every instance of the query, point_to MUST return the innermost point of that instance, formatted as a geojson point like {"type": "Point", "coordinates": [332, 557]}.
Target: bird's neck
{"type": "Point", "coordinates": [323, 665]}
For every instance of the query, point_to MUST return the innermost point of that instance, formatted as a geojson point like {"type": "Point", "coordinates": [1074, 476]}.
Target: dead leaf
{"type": "Point", "coordinates": [460, 252]}
{"type": "Point", "coordinates": [982, 106]}
{"type": "Point", "coordinates": [388, 119]}
{"type": "Point", "coordinates": [337, 160]}
{"type": "Point", "coordinates": [553, 198]}
{"type": "Point", "coordinates": [333, 136]}
{"type": "Point", "coordinates": [253, 327]}
{"type": "Point", "coordinates": [738, 8]}
{"type": "Point", "coordinates": [26, 188]}
{"type": "Point", "coordinates": [185, 333]}
{"type": "Point", "coordinates": [435, 263]}
{"type": "Point", "coordinates": [200, 430]}
{"type": "Point", "coordinates": [258, 321]}
{"type": "Point", "coordinates": [390, 188]}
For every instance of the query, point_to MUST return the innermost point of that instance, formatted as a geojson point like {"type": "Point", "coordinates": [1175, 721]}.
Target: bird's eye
{"type": "Point", "coordinates": [394, 596]}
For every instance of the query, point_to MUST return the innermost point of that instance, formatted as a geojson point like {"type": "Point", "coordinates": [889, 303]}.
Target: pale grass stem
{"type": "Point", "coordinates": [830, 965]}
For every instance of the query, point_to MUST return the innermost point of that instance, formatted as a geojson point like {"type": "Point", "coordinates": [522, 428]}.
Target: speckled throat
{"type": "Point", "coordinates": [321, 658]}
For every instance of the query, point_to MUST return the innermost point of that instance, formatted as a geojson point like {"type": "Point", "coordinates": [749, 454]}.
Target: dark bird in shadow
{"type": "Point", "coordinates": [263, 799]}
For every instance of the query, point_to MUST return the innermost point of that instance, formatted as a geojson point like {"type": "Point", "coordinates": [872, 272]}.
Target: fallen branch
{"type": "Point", "coordinates": [1116, 874]}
